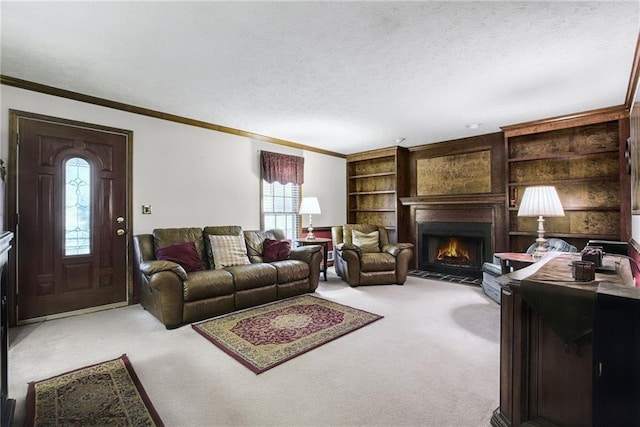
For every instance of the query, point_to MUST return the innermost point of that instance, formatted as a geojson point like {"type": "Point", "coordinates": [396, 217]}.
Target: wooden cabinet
{"type": "Point", "coordinates": [375, 181]}
{"type": "Point", "coordinates": [588, 379]}
{"type": "Point", "coordinates": [616, 341]}
{"type": "Point", "coordinates": [583, 162]}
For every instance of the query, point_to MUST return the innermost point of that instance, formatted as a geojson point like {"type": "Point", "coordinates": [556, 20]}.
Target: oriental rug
{"type": "Point", "coordinates": [266, 336]}
{"type": "Point", "coordinates": [105, 394]}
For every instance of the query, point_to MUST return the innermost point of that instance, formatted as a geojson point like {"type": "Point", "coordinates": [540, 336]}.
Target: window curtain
{"type": "Point", "coordinates": [282, 168]}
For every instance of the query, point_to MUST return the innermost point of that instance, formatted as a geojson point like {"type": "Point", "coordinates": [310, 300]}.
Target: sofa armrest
{"type": "Point", "coordinates": [150, 268]}
{"type": "Point", "coordinates": [395, 248]}
{"type": "Point", "coordinates": [304, 253]}
{"type": "Point", "coordinates": [348, 247]}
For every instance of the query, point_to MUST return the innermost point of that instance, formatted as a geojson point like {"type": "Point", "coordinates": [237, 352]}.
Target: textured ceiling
{"type": "Point", "coordinates": [341, 76]}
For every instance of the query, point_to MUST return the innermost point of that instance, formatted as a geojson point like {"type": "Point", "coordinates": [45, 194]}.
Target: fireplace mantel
{"type": "Point", "coordinates": [455, 199]}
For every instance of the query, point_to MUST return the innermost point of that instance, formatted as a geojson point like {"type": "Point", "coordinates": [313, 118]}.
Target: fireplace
{"type": "Point", "coordinates": [458, 248]}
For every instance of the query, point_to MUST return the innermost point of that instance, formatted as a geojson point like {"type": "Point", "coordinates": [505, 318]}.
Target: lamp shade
{"type": "Point", "coordinates": [310, 206]}
{"type": "Point", "coordinates": [540, 200]}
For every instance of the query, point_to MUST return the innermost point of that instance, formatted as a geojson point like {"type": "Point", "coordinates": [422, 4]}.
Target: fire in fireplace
{"type": "Point", "coordinates": [453, 251]}
{"type": "Point", "coordinates": [454, 247]}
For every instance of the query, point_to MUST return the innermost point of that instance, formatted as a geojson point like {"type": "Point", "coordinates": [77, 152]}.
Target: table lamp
{"type": "Point", "coordinates": [310, 206]}
{"type": "Point", "coordinates": [540, 201]}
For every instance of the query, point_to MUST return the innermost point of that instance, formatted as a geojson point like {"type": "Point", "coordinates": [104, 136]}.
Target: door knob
{"type": "Point", "coordinates": [120, 231]}
{"type": "Point", "coordinates": [120, 220]}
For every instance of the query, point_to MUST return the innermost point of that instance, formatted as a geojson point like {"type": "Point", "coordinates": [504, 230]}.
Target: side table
{"type": "Point", "coordinates": [514, 260]}
{"type": "Point", "coordinates": [325, 250]}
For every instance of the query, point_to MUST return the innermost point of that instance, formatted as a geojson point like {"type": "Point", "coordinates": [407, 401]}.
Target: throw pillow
{"type": "Point", "coordinates": [367, 242]}
{"type": "Point", "coordinates": [228, 251]}
{"type": "Point", "coordinates": [184, 254]}
{"type": "Point", "coordinates": [276, 250]}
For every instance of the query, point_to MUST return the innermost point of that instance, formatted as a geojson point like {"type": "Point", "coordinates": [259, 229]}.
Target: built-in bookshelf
{"type": "Point", "coordinates": [374, 186]}
{"type": "Point", "coordinates": [583, 162]}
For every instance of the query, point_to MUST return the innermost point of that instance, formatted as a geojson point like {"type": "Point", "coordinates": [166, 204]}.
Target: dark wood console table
{"type": "Point", "coordinates": [569, 350]}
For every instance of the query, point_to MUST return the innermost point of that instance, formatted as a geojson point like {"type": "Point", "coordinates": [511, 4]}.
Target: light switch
{"type": "Point", "coordinates": [146, 209]}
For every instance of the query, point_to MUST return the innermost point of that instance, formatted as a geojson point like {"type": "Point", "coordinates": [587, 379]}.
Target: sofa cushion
{"type": "Point", "coordinates": [184, 254]}
{"type": "Point", "coordinates": [217, 230]}
{"type": "Point", "coordinates": [291, 270]}
{"type": "Point", "coordinates": [223, 230]}
{"type": "Point", "coordinates": [377, 261]}
{"type": "Point", "coordinates": [228, 251]}
{"type": "Point", "coordinates": [169, 236]}
{"type": "Point", "coordinates": [347, 231]}
{"type": "Point", "coordinates": [207, 284]}
{"type": "Point", "coordinates": [276, 250]}
{"type": "Point", "coordinates": [255, 242]}
{"type": "Point", "coordinates": [253, 276]}
{"type": "Point", "coordinates": [367, 242]}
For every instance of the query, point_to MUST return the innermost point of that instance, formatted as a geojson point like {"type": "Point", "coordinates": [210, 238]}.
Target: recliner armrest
{"type": "Point", "coordinates": [150, 268]}
{"type": "Point", "coordinates": [347, 247]}
{"type": "Point", "coordinates": [304, 253]}
{"type": "Point", "coordinates": [491, 268]}
{"type": "Point", "coordinates": [395, 248]}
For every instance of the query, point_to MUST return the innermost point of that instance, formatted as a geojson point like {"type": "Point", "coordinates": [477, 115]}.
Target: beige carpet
{"type": "Point", "coordinates": [432, 361]}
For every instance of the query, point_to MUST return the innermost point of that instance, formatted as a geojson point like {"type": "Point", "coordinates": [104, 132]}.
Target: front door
{"type": "Point", "coordinates": [71, 216]}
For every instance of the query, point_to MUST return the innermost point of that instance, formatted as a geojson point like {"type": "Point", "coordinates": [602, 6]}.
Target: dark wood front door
{"type": "Point", "coordinates": [71, 216]}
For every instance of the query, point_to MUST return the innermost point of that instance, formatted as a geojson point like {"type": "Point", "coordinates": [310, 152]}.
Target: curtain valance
{"type": "Point", "coordinates": [282, 168]}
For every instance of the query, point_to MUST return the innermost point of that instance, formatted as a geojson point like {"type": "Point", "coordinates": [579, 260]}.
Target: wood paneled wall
{"type": "Point", "coordinates": [471, 191]}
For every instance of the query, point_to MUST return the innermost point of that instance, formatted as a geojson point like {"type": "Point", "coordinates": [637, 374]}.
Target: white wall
{"type": "Point", "coordinates": [189, 175]}
{"type": "Point", "coordinates": [329, 186]}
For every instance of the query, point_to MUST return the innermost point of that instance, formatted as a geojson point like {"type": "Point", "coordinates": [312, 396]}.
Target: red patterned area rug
{"type": "Point", "coordinates": [105, 394]}
{"type": "Point", "coordinates": [266, 336]}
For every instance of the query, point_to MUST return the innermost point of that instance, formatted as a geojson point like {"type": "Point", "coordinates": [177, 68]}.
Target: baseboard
{"type": "Point", "coordinates": [499, 420]}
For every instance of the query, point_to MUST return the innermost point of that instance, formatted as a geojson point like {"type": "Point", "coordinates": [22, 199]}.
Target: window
{"type": "Point", "coordinates": [77, 207]}
{"type": "Point", "coordinates": [281, 202]}
{"type": "Point", "coordinates": [280, 205]}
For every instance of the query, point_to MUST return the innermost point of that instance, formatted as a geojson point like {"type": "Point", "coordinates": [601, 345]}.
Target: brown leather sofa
{"type": "Point", "coordinates": [388, 264]}
{"type": "Point", "coordinates": [177, 297]}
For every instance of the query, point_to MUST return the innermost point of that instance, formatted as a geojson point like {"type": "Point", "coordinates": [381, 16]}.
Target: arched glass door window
{"type": "Point", "coordinates": [77, 207]}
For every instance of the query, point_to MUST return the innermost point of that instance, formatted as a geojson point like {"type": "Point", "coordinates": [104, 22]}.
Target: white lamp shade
{"type": "Point", "coordinates": [310, 206]}
{"type": "Point", "coordinates": [541, 200]}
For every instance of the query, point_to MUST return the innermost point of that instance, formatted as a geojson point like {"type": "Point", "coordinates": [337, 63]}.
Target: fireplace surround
{"type": "Point", "coordinates": [458, 248]}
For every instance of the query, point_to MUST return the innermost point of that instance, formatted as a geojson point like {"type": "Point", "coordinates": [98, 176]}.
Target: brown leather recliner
{"type": "Point", "coordinates": [388, 264]}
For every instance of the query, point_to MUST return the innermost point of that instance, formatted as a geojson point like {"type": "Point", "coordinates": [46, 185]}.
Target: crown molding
{"type": "Point", "coordinates": [50, 90]}
{"type": "Point", "coordinates": [634, 78]}
{"type": "Point", "coordinates": [571, 120]}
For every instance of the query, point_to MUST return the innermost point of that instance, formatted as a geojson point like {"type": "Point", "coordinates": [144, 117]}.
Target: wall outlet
{"type": "Point", "coordinates": [146, 209]}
